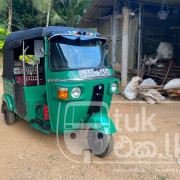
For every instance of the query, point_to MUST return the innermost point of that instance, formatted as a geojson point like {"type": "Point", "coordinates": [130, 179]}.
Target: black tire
{"type": "Point", "coordinates": [100, 144]}
{"type": "Point", "coordinates": [9, 116]}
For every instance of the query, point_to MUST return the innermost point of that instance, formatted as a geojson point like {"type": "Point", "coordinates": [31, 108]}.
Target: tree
{"type": "Point", "coordinates": [46, 7]}
{"type": "Point", "coordinates": [72, 11]}
{"type": "Point", "coordinates": [3, 34]}
{"type": "Point", "coordinates": [25, 14]}
{"type": "Point", "coordinates": [10, 15]}
{"type": "Point", "coordinates": [3, 8]}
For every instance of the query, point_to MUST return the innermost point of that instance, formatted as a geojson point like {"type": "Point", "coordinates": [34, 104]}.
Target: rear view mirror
{"type": "Point", "coordinates": [38, 46]}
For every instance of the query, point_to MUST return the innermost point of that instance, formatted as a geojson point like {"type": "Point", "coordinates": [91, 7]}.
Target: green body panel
{"type": "Point", "coordinates": [7, 99]}
{"type": "Point", "coordinates": [8, 95]}
{"type": "Point", "coordinates": [101, 122]}
{"type": "Point", "coordinates": [34, 95]}
{"type": "Point", "coordinates": [71, 114]}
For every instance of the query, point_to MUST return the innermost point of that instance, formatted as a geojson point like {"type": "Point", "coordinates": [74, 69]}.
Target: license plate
{"type": "Point", "coordinates": [89, 73]}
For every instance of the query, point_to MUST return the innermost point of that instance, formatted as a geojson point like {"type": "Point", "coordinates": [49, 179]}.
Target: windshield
{"type": "Point", "coordinates": [77, 53]}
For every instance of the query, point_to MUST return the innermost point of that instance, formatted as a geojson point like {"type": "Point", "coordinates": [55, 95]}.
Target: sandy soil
{"type": "Point", "coordinates": [26, 153]}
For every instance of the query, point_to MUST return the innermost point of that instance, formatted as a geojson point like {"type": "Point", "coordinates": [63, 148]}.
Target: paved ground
{"type": "Point", "coordinates": [29, 154]}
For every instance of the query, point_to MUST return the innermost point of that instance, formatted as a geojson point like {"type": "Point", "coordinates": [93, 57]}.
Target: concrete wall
{"type": "Point", "coordinates": [104, 27]}
{"type": "Point", "coordinates": [133, 43]}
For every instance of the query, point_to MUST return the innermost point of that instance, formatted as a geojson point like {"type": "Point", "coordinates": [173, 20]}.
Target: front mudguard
{"type": "Point", "coordinates": [101, 122]}
{"type": "Point", "coordinates": [7, 100]}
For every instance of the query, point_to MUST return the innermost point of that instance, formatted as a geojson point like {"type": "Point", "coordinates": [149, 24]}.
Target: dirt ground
{"type": "Point", "coordinates": [26, 153]}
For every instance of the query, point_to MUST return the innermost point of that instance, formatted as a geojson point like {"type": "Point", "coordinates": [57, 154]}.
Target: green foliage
{"type": "Point", "coordinates": [3, 34]}
{"type": "Point", "coordinates": [42, 5]}
{"type": "Point", "coordinates": [162, 178]}
{"type": "Point", "coordinates": [27, 14]}
{"type": "Point", "coordinates": [3, 5]}
{"type": "Point", "coordinates": [71, 11]}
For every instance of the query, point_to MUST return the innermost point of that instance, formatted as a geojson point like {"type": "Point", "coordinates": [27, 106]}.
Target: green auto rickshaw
{"type": "Point", "coordinates": [60, 80]}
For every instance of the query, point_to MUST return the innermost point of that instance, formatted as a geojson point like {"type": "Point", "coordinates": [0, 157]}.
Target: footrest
{"type": "Point", "coordinates": [40, 127]}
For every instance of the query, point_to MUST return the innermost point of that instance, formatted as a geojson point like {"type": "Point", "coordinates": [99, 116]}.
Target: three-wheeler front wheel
{"type": "Point", "coordinates": [9, 116]}
{"type": "Point", "coordinates": [100, 144]}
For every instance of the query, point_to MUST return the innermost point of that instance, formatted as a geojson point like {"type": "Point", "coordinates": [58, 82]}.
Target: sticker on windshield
{"type": "Point", "coordinates": [88, 73]}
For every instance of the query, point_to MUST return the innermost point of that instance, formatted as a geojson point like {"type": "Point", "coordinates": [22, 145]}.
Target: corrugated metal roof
{"type": "Point", "coordinates": [98, 8]}
{"type": "Point", "coordinates": [170, 2]}
{"type": "Point", "coordinates": [101, 8]}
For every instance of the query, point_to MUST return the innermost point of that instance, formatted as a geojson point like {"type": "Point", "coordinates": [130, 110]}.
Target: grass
{"type": "Point", "coordinates": [1, 62]}
{"type": "Point", "coordinates": [163, 178]}
{"type": "Point", "coordinates": [53, 157]}
{"type": "Point", "coordinates": [1, 65]}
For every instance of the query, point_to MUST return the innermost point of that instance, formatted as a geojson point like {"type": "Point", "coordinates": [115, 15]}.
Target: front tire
{"type": "Point", "coordinates": [9, 116]}
{"type": "Point", "coordinates": [100, 144]}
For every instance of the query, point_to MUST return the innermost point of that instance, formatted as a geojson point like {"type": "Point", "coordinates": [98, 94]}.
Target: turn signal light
{"type": "Point", "coordinates": [73, 32]}
{"type": "Point", "coordinates": [91, 34]}
{"type": "Point", "coordinates": [63, 93]}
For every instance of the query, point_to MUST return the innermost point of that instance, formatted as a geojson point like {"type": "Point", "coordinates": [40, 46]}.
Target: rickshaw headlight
{"type": "Point", "coordinates": [76, 92]}
{"type": "Point", "coordinates": [114, 87]}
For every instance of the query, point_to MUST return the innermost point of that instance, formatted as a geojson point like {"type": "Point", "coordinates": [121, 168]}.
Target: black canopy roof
{"type": "Point", "coordinates": [14, 40]}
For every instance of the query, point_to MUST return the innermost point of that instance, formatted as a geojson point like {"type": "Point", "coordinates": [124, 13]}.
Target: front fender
{"type": "Point", "coordinates": [6, 99]}
{"type": "Point", "coordinates": [101, 122]}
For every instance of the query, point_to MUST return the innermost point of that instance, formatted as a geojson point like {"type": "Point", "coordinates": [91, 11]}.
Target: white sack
{"type": "Point", "coordinates": [131, 91]}
{"type": "Point", "coordinates": [148, 82]}
{"type": "Point", "coordinates": [165, 50]}
{"type": "Point", "coordinates": [173, 84]}
{"type": "Point", "coordinates": [153, 96]}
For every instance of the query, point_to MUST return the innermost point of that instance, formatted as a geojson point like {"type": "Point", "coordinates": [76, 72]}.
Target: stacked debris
{"type": "Point", "coordinates": [173, 88]}
{"type": "Point", "coordinates": [160, 66]}
{"type": "Point", "coordinates": [162, 72]}
{"type": "Point", "coordinates": [156, 71]}
{"type": "Point", "coordinates": [147, 90]}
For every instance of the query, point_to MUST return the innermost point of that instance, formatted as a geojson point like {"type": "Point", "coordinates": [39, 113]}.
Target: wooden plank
{"type": "Point", "coordinates": [174, 95]}
{"type": "Point", "coordinates": [173, 91]}
{"type": "Point", "coordinates": [158, 86]}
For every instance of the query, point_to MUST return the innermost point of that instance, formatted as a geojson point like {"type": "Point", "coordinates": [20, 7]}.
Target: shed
{"type": "Point", "coordinates": [133, 30]}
